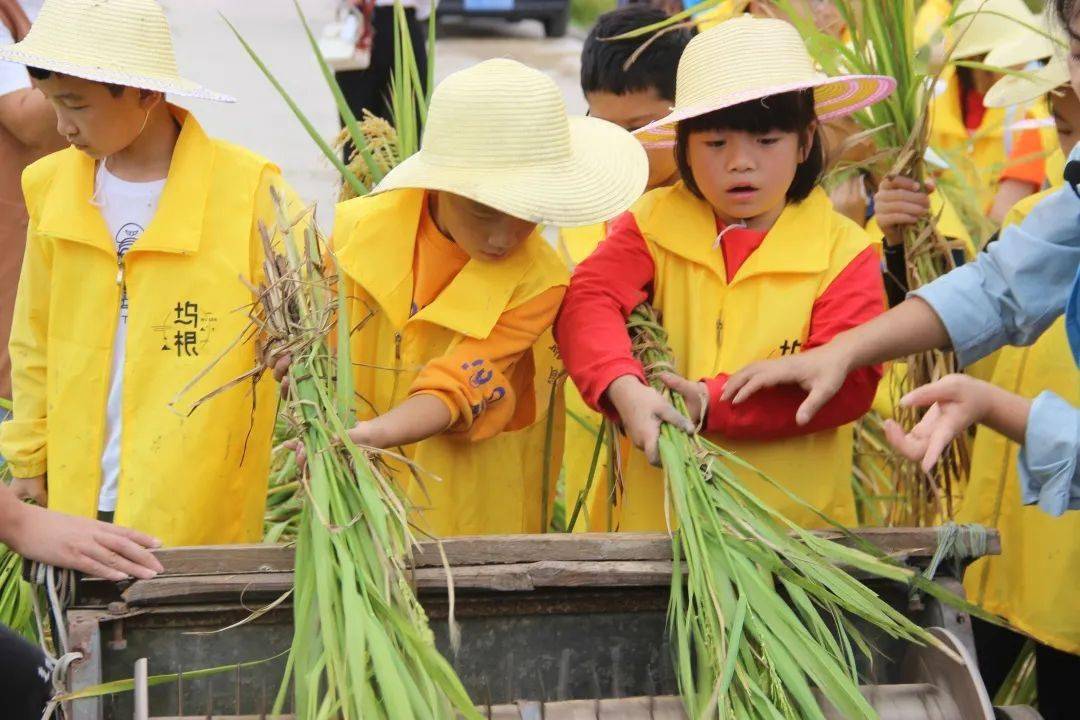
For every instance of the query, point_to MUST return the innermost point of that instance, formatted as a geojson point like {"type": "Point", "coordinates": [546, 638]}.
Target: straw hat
{"type": "Point", "coordinates": [748, 58]}
{"type": "Point", "coordinates": [124, 42]}
{"type": "Point", "coordinates": [1030, 44]}
{"type": "Point", "coordinates": [1018, 89]}
{"type": "Point", "coordinates": [983, 25]}
{"type": "Point", "coordinates": [498, 133]}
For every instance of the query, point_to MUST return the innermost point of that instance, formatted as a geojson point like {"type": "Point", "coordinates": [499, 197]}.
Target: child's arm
{"type": "Point", "coordinates": [23, 438]}
{"type": "Point", "coordinates": [594, 344]}
{"type": "Point", "coordinates": [468, 390]}
{"type": "Point", "coordinates": [853, 298]}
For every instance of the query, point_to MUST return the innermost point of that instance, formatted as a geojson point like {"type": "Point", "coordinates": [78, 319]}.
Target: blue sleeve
{"type": "Point", "coordinates": [1049, 462]}
{"type": "Point", "coordinates": [1012, 292]}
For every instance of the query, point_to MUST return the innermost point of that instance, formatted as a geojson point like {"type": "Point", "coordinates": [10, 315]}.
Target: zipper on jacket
{"type": "Point", "coordinates": [397, 368]}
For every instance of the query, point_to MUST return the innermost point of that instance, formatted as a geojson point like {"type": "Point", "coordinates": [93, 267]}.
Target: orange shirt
{"type": "Point", "coordinates": [1027, 161]}
{"type": "Point", "coordinates": [463, 377]}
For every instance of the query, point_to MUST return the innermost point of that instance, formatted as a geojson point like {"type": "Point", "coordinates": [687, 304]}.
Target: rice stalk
{"type": "Point", "coordinates": [361, 647]}
{"type": "Point", "coordinates": [881, 41]}
{"type": "Point", "coordinates": [740, 651]}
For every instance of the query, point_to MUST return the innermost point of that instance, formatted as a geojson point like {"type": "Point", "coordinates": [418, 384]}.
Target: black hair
{"type": "Point", "coordinates": [603, 62]}
{"type": "Point", "coordinates": [786, 112]}
{"type": "Point", "coordinates": [43, 74]}
{"type": "Point", "coordinates": [1066, 9]}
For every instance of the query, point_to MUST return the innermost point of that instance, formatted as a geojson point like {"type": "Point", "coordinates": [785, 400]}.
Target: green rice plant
{"type": "Point", "coordinates": [362, 647]}
{"type": "Point", "coordinates": [1020, 686]}
{"type": "Point", "coordinates": [740, 650]}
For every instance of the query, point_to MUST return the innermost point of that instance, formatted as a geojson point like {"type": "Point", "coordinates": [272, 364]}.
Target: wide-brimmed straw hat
{"type": "Point", "coordinates": [748, 58]}
{"type": "Point", "coordinates": [498, 133]}
{"type": "Point", "coordinates": [983, 25]}
{"type": "Point", "coordinates": [123, 42]}
{"type": "Point", "coordinates": [1020, 89]}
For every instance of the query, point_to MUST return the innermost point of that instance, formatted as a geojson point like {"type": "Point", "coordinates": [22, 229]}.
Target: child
{"type": "Point", "coordinates": [998, 164]}
{"type": "Point", "coordinates": [745, 259]}
{"type": "Point", "coordinates": [454, 292]}
{"type": "Point", "coordinates": [631, 84]}
{"type": "Point", "coordinates": [142, 237]}
{"type": "Point", "coordinates": [1022, 584]}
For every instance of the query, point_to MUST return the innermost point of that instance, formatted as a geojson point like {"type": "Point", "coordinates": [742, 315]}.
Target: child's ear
{"type": "Point", "coordinates": [150, 98]}
{"type": "Point", "coordinates": [806, 141]}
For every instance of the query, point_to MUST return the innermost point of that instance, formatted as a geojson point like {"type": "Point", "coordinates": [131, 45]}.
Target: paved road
{"type": "Point", "coordinates": [208, 53]}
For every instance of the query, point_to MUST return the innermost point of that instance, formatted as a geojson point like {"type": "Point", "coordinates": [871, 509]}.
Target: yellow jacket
{"type": "Point", "coordinates": [188, 479]}
{"type": "Point", "coordinates": [466, 487]}
{"type": "Point", "coordinates": [1033, 582]}
{"type": "Point", "coordinates": [769, 301]}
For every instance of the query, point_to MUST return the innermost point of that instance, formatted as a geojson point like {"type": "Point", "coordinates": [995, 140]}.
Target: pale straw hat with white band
{"type": "Point", "coordinates": [122, 42]}
{"type": "Point", "coordinates": [1021, 89]}
{"type": "Point", "coordinates": [981, 26]}
{"type": "Point", "coordinates": [748, 58]}
{"type": "Point", "coordinates": [498, 133]}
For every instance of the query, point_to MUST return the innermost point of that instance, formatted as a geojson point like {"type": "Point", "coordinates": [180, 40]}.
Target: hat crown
{"type": "Point", "coordinates": [130, 36]}
{"type": "Point", "coordinates": [740, 56]}
{"type": "Point", "coordinates": [498, 113]}
{"type": "Point", "coordinates": [982, 25]}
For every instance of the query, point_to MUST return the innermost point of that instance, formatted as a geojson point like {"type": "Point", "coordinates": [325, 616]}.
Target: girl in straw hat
{"type": "Point", "coordinates": [454, 291]}
{"type": "Point", "coordinates": [745, 259]}
{"type": "Point", "coordinates": [141, 237]}
{"type": "Point", "coordinates": [1022, 584]}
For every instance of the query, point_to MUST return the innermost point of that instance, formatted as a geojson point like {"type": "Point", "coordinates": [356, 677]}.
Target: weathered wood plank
{"type": "Point", "coordinates": [512, 549]}
{"type": "Point", "coordinates": [208, 588]}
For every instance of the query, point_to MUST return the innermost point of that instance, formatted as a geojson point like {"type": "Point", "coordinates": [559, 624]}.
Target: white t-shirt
{"type": "Point", "coordinates": [127, 208]}
{"type": "Point", "coordinates": [12, 75]}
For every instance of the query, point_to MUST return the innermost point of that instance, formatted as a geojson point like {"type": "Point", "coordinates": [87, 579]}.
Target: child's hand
{"type": "Point", "coordinates": [33, 489]}
{"type": "Point", "coordinates": [696, 395]}
{"type": "Point", "coordinates": [850, 199]}
{"type": "Point", "coordinates": [641, 410]}
{"type": "Point", "coordinates": [368, 433]}
{"type": "Point", "coordinates": [900, 202]}
{"type": "Point", "coordinates": [956, 403]}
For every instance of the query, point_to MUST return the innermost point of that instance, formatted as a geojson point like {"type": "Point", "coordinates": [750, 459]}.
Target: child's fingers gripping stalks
{"type": "Point", "coordinates": [900, 202]}
{"type": "Point", "coordinates": [641, 410]}
{"type": "Point", "coordinates": [696, 395]}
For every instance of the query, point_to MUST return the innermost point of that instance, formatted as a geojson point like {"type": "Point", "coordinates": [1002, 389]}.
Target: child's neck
{"type": "Point", "coordinates": [760, 223]}
{"type": "Point", "coordinates": [148, 157]}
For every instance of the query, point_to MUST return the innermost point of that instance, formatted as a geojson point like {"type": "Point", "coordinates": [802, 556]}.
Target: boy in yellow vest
{"type": "Point", "coordinates": [141, 237]}
{"type": "Point", "coordinates": [1024, 584]}
{"type": "Point", "coordinates": [454, 292]}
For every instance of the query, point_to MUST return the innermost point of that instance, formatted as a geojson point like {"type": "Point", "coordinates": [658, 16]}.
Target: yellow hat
{"type": "Point", "coordinates": [1018, 89]}
{"type": "Point", "coordinates": [498, 133]}
{"type": "Point", "coordinates": [980, 26]}
{"type": "Point", "coordinates": [123, 42]}
{"type": "Point", "coordinates": [748, 58]}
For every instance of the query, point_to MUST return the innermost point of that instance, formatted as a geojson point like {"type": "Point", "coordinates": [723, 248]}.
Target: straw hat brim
{"type": "Point", "coordinates": [1031, 48]}
{"type": "Point", "coordinates": [171, 85]}
{"type": "Point", "coordinates": [1019, 89]}
{"type": "Point", "coordinates": [606, 172]}
{"type": "Point", "coordinates": [834, 97]}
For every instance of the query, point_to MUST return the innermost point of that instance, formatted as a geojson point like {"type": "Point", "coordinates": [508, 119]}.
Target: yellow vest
{"type": "Point", "coordinates": [466, 488]}
{"type": "Point", "coordinates": [196, 479]}
{"type": "Point", "coordinates": [1033, 582]}
{"type": "Point", "coordinates": [719, 327]}
{"type": "Point", "coordinates": [582, 422]}
{"type": "Point", "coordinates": [930, 18]}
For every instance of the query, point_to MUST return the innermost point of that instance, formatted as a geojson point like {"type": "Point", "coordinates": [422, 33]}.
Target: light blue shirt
{"type": "Point", "coordinates": [1009, 295]}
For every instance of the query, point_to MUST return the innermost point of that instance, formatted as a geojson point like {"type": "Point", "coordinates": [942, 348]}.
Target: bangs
{"type": "Point", "coordinates": [786, 112]}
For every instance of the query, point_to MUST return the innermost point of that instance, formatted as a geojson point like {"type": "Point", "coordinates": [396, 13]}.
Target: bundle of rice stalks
{"type": "Point", "coordinates": [284, 499]}
{"type": "Point", "coordinates": [361, 647]}
{"type": "Point", "coordinates": [740, 650]}
{"type": "Point", "coordinates": [881, 41]}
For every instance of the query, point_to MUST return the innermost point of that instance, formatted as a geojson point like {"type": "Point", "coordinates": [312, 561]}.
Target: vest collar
{"type": "Point", "coordinates": [378, 255]}
{"type": "Point", "coordinates": [177, 225]}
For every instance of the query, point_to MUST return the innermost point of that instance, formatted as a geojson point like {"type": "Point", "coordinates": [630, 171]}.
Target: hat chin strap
{"type": "Point", "coordinates": [741, 225]}
{"type": "Point", "coordinates": [95, 200]}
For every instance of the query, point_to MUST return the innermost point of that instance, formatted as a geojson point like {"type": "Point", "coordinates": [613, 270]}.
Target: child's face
{"type": "Point", "coordinates": [745, 176]}
{"type": "Point", "coordinates": [91, 118]}
{"type": "Point", "coordinates": [1074, 52]}
{"type": "Point", "coordinates": [483, 232]}
{"type": "Point", "coordinates": [632, 111]}
{"type": "Point", "coordinates": [1066, 109]}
